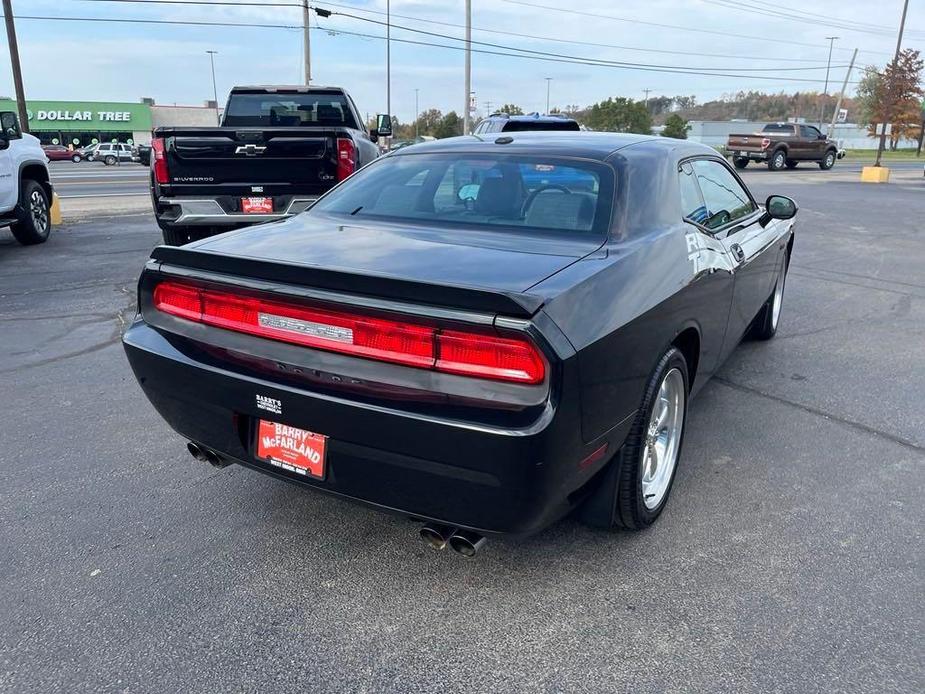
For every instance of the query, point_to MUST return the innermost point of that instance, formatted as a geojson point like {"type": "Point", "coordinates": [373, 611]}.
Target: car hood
{"type": "Point", "coordinates": [503, 261]}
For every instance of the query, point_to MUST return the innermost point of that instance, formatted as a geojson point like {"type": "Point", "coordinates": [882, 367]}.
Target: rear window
{"type": "Point", "coordinates": [779, 128]}
{"type": "Point", "coordinates": [513, 126]}
{"type": "Point", "coordinates": [513, 192]}
{"type": "Point", "coordinates": [289, 110]}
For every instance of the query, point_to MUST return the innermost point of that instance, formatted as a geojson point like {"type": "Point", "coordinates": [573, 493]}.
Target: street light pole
{"type": "Point", "coordinates": [548, 82]}
{"type": "Point", "coordinates": [306, 42]}
{"type": "Point", "coordinates": [17, 69]}
{"type": "Point", "coordinates": [825, 90]}
{"type": "Point", "coordinates": [388, 64]}
{"type": "Point", "coordinates": [417, 114]}
{"type": "Point", "coordinates": [214, 90]}
{"type": "Point", "coordinates": [468, 66]}
{"type": "Point", "coordinates": [899, 41]}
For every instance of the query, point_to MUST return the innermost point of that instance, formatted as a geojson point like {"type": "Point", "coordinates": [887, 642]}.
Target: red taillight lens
{"type": "Point", "coordinates": [159, 161]}
{"type": "Point", "coordinates": [450, 351]}
{"type": "Point", "coordinates": [765, 143]}
{"type": "Point", "coordinates": [346, 158]}
{"type": "Point", "coordinates": [487, 356]}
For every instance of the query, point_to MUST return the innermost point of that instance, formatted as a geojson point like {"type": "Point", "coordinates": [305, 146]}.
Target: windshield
{"type": "Point", "coordinates": [289, 110]}
{"type": "Point", "coordinates": [516, 192]}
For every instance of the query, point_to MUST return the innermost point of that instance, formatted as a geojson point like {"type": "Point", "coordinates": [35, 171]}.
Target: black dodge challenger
{"type": "Point", "coordinates": [481, 334]}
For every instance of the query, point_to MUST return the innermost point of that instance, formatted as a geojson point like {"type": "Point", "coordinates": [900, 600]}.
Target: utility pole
{"type": "Point", "coordinates": [841, 95]}
{"type": "Point", "coordinates": [214, 90]}
{"type": "Point", "coordinates": [417, 113]}
{"type": "Point", "coordinates": [487, 107]}
{"type": "Point", "coordinates": [17, 69]}
{"type": "Point", "coordinates": [548, 82]}
{"type": "Point", "coordinates": [306, 42]}
{"type": "Point", "coordinates": [886, 111]}
{"type": "Point", "coordinates": [647, 98]}
{"type": "Point", "coordinates": [468, 65]}
{"type": "Point", "coordinates": [825, 90]}
{"type": "Point", "coordinates": [388, 66]}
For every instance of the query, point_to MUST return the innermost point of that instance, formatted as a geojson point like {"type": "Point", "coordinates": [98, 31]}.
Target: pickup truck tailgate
{"type": "Point", "coordinates": [251, 156]}
{"type": "Point", "coordinates": [747, 143]}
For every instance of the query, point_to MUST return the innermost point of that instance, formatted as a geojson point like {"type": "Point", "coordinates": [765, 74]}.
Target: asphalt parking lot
{"type": "Point", "coordinates": [790, 558]}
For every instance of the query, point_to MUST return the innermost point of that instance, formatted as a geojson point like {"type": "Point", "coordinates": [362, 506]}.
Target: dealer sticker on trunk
{"type": "Point", "coordinates": [292, 449]}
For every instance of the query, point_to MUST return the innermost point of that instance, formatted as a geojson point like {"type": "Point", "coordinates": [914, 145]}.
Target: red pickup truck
{"type": "Point", "coordinates": [783, 145]}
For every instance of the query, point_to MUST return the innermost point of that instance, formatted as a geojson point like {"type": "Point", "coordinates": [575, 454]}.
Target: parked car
{"type": "Point", "coordinates": [277, 150]}
{"type": "Point", "coordinates": [504, 123]}
{"type": "Point", "coordinates": [61, 153]}
{"type": "Point", "coordinates": [450, 337]}
{"type": "Point", "coordinates": [783, 145]}
{"type": "Point", "coordinates": [111, 153]}
{"type": "Point", "coordinates": [88, 152]}
{"type": "Point", "coordinates": [25, 190]}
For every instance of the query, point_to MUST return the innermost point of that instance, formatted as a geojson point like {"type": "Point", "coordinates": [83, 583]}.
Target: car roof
{"type": "Point", "coordinates": [285, 88]}
{"type": "Point", "coordinates": [533, 118]}
{"type": "Point", "coordinates": [588, 145]}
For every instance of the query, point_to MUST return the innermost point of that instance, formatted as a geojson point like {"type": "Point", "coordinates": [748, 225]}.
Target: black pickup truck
{"type": "Point", "coordinates": [277, 150]}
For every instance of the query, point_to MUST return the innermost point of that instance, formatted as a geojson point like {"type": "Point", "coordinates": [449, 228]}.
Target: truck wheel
{"type": "Point", "coordinates": [792, 163]}
{"type": "Point", "coordinates": [828, 161]}
{"type": "Point", "coordinates": [636, 483]}
{"type": "Point", "coordinates": [778, 160]}
{"type": "Point", "coordinates": [740, 162]}
{"type": "Point", "coordinates": [109, 160]}
{"type": "Point", "coordinates": [34, 223]}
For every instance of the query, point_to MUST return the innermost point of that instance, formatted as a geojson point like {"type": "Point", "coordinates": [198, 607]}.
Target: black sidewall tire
{"type": "Point", "coordinates": [740, 162]}
{"type": "Point", "coordinates": [618, 501]}
{"type": "Point", "coordinates": [76, 158]}
{"type": "Point", "coordinates": [828, 161]}
{"type": "Point", "coordinates": [25, 230]}
{"type": "Point", "coordinates": [109, 161]}
{"type": "Point", "coordinates": [763, 327]}
{"type": "Point", "coordinates": [778, 160]}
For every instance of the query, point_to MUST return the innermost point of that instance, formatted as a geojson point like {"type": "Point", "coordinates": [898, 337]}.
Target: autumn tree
{"type": "Point", "coordinates": [893, 98]}
{"type": "Point", "coordinates": [676, 127]}
{"type": "Point", "coordinates": [620, 115]}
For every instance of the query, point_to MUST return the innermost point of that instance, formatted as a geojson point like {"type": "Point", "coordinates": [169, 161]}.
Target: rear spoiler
{"type": "Point", "coordinates": [518, 305]}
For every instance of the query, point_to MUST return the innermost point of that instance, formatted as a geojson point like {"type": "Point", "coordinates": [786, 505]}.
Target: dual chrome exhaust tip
{"type": "Point", "coordinates": [465, 542]}
{"type": "Point", "coordinates": [206, 456]}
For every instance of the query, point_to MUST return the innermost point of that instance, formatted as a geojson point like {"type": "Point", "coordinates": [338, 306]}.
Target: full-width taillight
{"type": "Point", "coordinates": [346, 158]}
{"type": "Point", "coordinates": [765, 143]}
{"type": "Point", "coordinates": [159, 161]}
{"type": "Point", "coordinates": [475, 354]}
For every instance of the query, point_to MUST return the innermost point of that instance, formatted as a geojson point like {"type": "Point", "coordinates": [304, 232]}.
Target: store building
{"type": "Point", "coordinates": [82, 123]}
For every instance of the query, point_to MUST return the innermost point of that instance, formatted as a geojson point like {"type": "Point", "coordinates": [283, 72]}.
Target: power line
{"type": "Point", "coordinates": [667, 26]}
{"type": "Point", "coordinates": [616, 63]}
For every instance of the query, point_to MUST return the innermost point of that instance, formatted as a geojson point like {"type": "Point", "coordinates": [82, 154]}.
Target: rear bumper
{"type": "Point", "coordinates": [751, 155]}
{"type": "Point", "coordinates": [485, 478]}
{"type": "Point", "coordinates": [204, 211]}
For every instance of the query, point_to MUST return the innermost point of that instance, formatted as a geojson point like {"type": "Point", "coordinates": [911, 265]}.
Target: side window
{"type": "Point", "coordinates": [724, 197]}
{"type": "Point", "coordinates": [692, 206]}
{"type": "Point", "coordinates": [810, 132]}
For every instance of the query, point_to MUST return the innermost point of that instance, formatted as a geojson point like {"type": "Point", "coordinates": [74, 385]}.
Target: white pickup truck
{"type": "Point", "coordinates": [25, 191]}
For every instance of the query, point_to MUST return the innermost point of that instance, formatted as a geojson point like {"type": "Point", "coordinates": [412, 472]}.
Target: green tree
{"type": "Point", "coordinates": [449, 126]}
{"type": "Point", "coordinates": [620, 115]}
{"type": "Point", "coordinates": [511, 110]}
{"type": "Point", "coordinates": [676, 127]}
{"type": "Point", "coordinates": [429, 121]}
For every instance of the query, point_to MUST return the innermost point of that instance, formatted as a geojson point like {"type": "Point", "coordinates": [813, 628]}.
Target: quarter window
{"type": "Point", "coordinates": [691, 202]}
{"type": "Point", "coordinates": [724, 198]}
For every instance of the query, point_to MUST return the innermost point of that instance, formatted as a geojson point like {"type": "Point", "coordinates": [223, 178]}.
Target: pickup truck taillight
{"type": "Point", "coordinates": [765, 143]}
{"type": "Point", "coordinates": [346, 157]}
{"type": "Point", "coordinates": [159, 161]}
{"type": "Point", "coordinates": [469, 353]}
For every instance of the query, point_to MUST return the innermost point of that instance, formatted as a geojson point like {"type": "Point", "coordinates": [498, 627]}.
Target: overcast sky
{"type": "Point", "coordinates": [123, 62]}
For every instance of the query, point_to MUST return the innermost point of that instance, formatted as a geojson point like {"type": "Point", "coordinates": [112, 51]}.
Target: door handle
{"type": "Point", "coordinates": [737, 252]}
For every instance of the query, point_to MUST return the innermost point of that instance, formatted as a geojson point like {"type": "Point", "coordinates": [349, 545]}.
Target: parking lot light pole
{"type": "Point", "coordinates": [468, 66]}
{"type": "Point", "coordinates": [417, 114]}
{"type": "Point", "coordinates": [548, 82]}
{"type": "Point", "coordinates": [14, 63]}
{"type": "Point", "coordinates": [306, 43]}
{"type": "Point", "coordinates": [214, 90]}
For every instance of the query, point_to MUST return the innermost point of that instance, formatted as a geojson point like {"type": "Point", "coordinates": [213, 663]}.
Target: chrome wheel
{"type": "Point", "coordinates": [38, 208]}
{"type": "Point", "coordinates": [663, 439]}
{"type": "Point", "coordinates": [778, 299]}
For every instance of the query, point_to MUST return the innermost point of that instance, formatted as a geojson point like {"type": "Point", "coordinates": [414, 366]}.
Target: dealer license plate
{"type": "Point", "coordinates": [257, 205]}
{"type": "Point", "coordinates": [294, 450]}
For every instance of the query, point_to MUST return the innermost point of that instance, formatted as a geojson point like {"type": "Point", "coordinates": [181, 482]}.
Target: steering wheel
{"type": "Point", "coordinates": [532, 196]}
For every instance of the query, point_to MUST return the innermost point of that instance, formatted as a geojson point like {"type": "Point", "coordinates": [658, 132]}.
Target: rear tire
{"type": "Point", "coordinates": [778, 160]}
{"type": "Point", "coordinates": [792, 163]}
{"type": "Point", "coordinates": [828, 161]}
{"type": "Point", "coordinates": [740, 162]}
{"type": "Point", "coordinates": [76, 158]}
{"type": "Point", "coordinates": [34, 223]}
{"type": "Point", "coordinates": [764, 327]}
{"type": "Point", "coordinates": [109, 160]}
{"type": "Point", "coordinates": [635, 485]}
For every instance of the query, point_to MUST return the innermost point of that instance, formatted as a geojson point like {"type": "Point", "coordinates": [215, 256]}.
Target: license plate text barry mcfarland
{"type": "Point", "coordinates": [292, 449]}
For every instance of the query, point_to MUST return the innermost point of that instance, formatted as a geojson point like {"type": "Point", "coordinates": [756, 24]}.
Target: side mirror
{"type": "Point", "coordinates": [384, 125]}
{"type": "Point", "coordinates": [9, 125]}
{"type": "Point", "coordinates": [778, 207]}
